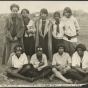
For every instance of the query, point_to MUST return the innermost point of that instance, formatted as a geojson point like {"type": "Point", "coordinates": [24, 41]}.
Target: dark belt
{"type": "Point", "coordinates": [69, 37]}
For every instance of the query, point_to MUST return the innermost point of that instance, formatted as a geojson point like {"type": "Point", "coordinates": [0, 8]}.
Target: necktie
{"type": "Point", "coordinates": [81, 64]}
{"type": "Point", "coordinates": [57, 30]}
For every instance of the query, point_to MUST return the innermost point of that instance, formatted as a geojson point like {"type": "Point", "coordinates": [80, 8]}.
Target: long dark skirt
{"type": "Point", "coordinates": [29, 45]}
{"type": "Point", "coordinates": [70, 47]}
{"type": "Point", "coordinates": [55, 43]}
{"type": "Point", "coordinates": [35, 73]}
{"type": "Point", "coordinates": [43, 42]}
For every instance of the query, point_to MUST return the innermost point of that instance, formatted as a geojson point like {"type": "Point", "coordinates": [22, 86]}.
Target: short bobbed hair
{"type": "Point", "coordinates": [68, 10]}
{"type": "Point", "coordinates": [61, 45]}
{"type": "Point", "coordinates": [14, 5]}
{"type": "Point", "coordinates": [45, 11]}
{"type": "Point", "coordinates": [57, 12]}
{"type": "Point", "coordinates": [25, 10]}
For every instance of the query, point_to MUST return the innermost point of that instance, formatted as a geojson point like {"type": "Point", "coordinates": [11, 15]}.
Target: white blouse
{"type": "Point", "coordinates": [31, 28]}
{"type": "Point", "coordinates": [76, 60]}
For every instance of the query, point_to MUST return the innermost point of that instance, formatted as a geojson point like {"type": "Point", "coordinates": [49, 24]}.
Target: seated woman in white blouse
{"type": "Point", "coordinates": [39, 64]}
{"type": "Point", "coordinates": [18, 64]}
{"type": "Point", "coordinates": [80, 65]}
{"type": "Point", "coordinates": [61, 63]}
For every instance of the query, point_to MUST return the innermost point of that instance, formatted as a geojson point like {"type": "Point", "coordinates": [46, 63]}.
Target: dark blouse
{"type": "Point", "coordinates": [14, 26]}
{"type": "Point", "coordinates": [43, 26]}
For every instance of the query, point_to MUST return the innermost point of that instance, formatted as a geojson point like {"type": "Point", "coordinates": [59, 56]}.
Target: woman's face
{"type": "Point", "coordinates": [14, 11]}
{"type": "Point", "coordinates": [57, 18]}
{"type": "Point", "coordinates": [80, 51]}
{"type": "Point", "coordinates": [60, 50]}
{"type": "Point", "coordinates": [18, 53]}
{"type": "Point", "coordinates": [43, 15]}
{"type": "Point", "coordinates": [66, 14]}
{"type": "Point", "coordinates": [24, 13]}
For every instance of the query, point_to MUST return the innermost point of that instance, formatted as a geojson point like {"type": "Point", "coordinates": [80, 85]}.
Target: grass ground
{"type": "Point", "coordinates": [82, 38]}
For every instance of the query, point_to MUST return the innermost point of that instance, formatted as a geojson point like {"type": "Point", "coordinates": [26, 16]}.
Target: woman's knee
{"type": "Point", "coordinates": [54, 70]}
{"type": "Point", "coordinates": [71, 72]}
{"type": "Point", "coordinates": [9, 71]}
{"type": "Point", "coordinates": [28, 67]}
{"type": "Point", "coordinates": [49, 70]}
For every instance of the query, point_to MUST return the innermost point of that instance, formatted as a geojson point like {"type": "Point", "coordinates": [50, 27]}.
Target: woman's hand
{"type": "Point", "coordinates": [41, 63]}
{"type": "Point", "coordinates": [11, 39]}
{"type": "Point", "coordinates": [38, 69]}
{"type": "Point", "coordinates": [15, 38]}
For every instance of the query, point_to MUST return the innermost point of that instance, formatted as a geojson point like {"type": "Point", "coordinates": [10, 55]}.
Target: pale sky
{"type": "Point", "coordinates": [51, 6]}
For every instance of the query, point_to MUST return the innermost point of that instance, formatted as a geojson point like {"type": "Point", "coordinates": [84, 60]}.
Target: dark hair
{"type": "Point", "coordinates": [14, 5]}
{"type": "Point", "coordinates": [82, 46]}
{"type": "Point", "coordinates": [25, 10]}
{"type": "Point", "coordinates": [61, 45]}
{"type": "Point", "coordinates": [15, 48]}
{"type": "Point", "coordinates": [45, 11]}
{"type": "Point", "coordinates": [57, 12]}
{"type": "Point", "coordinates": [67, 9]}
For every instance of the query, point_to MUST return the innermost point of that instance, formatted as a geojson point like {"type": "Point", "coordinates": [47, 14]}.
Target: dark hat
{"type": "Point", "coordinates": [61, 45]}
{"type": "Point", "coordinates": [44, 11]}
{"type": "Point", "coordinates": [67, 9]}
{"type": "Point", "coordinates": [57, 12]}
{"type": "Point", "coordinates": [82, 46]}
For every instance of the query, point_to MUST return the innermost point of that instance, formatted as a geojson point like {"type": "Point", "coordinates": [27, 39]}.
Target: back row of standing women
{"type": "Point", "coordinates": [44, 32]}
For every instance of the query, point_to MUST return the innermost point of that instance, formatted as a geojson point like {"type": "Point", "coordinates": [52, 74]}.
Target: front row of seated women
{"type": "Point", "coordinates": [63, 66]}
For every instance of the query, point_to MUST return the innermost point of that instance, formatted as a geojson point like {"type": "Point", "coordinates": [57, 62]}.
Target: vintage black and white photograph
{"type": "Point", "coordinates": [43, 43]}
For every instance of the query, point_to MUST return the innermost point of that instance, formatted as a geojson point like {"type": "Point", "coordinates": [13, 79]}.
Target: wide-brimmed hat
{"type": "Point", "coordinates": [57, 12]}
{"type": "Point", "coordinates": [45, 11]}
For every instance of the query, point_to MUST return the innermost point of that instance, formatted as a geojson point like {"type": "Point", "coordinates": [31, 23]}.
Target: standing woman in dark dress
{"type": "Point", "coordinates": [14, 29]}
{"type": "Point", "coordinates": [43, 35]}
{"type": "Point", "coordinates": [28, 38]}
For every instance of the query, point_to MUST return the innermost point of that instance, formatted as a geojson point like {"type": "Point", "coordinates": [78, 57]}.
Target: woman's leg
{"type": "Point", "coordinates": [10, 72]}
{"type": "Point", "coordinates": [47, 71]}
{"type": "Point", "coordinates": [25, 69]}
{"type": "Point", "coordinates": [59, 75]}
{"type": "Point", "coordinates": [72, 73]}
{"type": "Point", "coordinates": [84, 79]}
{"type": "Point", "coordinates": [43, 73]}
